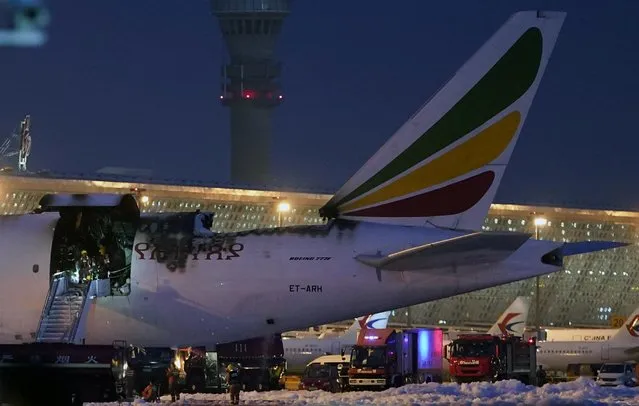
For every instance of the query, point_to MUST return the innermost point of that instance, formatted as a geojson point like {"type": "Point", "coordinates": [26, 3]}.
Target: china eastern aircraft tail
{"type": "Point", "coordinates": [513, 320]}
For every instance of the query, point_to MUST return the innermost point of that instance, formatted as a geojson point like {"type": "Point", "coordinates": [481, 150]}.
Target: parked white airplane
{"type": "Point", "coordinates": [622, 346]}
{"type": "Point", "coordinates": [401, 232]}
{"type": "Point", "coordinates": [300, 351]}
{"type": "Point", "coordinates": [580, 334]}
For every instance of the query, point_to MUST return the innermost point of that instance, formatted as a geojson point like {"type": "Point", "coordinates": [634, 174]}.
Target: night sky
{"type": "Point", "coordinates": [136, 84]}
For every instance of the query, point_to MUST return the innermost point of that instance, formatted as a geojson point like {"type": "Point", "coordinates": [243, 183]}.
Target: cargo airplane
{"type": "Point", "coordinates": [405, 229]}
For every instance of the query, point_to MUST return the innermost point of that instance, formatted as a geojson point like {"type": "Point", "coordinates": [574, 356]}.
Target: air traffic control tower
{"type": "Point", "coordinates": [250, 86]}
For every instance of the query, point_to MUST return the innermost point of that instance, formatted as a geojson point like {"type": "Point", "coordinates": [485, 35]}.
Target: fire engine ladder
{"type": "Point", "coordinates": [62, 311]}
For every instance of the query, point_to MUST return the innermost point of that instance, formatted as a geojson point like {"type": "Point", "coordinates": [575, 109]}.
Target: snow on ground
{"type": "Point", "coordinates": [580, 392]}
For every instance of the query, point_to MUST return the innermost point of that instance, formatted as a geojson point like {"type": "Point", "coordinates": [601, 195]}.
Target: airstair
{"type": "Point", "coordinates": [62, 311]}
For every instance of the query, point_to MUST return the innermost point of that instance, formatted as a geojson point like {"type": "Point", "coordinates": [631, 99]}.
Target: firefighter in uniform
{"type": "Point", "coordinates": [234, 380]}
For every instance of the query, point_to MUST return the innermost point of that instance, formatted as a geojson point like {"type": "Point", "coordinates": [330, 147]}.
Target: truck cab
{"type": "Point", "coordinates": [615, 374]}
{"type": "Point", "coordinates": [484, 357]}
{"type": "Point", "coordinates": [470, 357]}
{"type": "Point", "coordinates": [384, 358]}
{"type": "Point", "coordinates": [374, 360]}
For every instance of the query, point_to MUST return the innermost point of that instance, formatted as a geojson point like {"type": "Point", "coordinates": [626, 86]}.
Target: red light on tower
{"type": "Point", "coordinates": [248, 94]}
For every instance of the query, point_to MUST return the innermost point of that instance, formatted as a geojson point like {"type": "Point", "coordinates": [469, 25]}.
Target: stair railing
{"type": "Point", "coordinates": [53, 289]}
{"type": "Point", "coordinates": [73, 328]}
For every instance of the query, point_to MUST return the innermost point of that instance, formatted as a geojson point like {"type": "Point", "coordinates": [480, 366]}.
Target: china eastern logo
{"type": "Point", "coordinates": [368, 322]}
{"type": "Point", "coordinates": [633, 326]}
{"type": "Point", "coordinates": [506, 325]}
{"type": "Point", "coordinates": [371, 321]}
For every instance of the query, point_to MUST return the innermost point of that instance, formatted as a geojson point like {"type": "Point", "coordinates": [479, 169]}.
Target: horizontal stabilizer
{"type": "Point", "coordinates": [584, 247]}
{"type": "Point", "coordinates": [470, 249]}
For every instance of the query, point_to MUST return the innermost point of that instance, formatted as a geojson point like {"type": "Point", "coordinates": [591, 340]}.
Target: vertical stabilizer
{"type": "Point", "coordinates": [377, 320]}
{"type": "Point", "coordinates": [442, 168]}
{"type": "Point", "coordinates": [628, 334]}
{"type": "Point", "coordinates": [513, 320]}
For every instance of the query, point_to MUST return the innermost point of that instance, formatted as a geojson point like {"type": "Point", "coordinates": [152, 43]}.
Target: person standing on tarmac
{"type": "Point", "coordinates": [541, 376]}
{"type": "Point", "coordinates": [234, 380]}
{"type": "Point", "coordinates": [172, 374]}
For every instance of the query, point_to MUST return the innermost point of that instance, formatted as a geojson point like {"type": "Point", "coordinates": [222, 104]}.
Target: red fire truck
{"type": "Point", "coordinates": [384, 358]}
{"type": "Point", "coordinates": [484, 357]}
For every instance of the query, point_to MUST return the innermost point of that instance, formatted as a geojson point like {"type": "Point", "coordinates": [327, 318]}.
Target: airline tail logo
{"type": "Point", "coordinates": [369, 321]}
{"type": "Point", "coordinates": [450, 156]}
{"type": "Point", "coordinates": [633, 326]}
{"type": "Point", "coordinates": [506, 326]}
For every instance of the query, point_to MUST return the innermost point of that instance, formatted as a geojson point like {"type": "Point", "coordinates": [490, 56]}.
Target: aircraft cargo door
{"type": "Point", "coordinates": [605, 352]}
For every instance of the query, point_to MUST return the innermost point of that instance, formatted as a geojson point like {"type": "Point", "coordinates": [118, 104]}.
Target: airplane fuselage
{"type": "Point", "coordinates": [260, 282]}
{"type": "Point", "coordinates": [601, 334]}
{"type": "Point", "coordinates": [300, 352]}
{"type": "Point", "coordinates": [559, 356]}
{"type": "Point", "coordinates": [285, 280]}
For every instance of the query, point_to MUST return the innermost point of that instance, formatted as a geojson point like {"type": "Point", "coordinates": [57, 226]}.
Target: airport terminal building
{"type": "Point", "coordinates": [590, 291]}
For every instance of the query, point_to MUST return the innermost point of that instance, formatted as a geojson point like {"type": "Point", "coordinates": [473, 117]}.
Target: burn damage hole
{"type": "Point", "coordinates": [35, 268]}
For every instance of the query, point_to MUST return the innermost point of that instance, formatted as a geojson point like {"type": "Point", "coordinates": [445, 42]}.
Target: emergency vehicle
{"type": "Point", "coordinates": [384, 358]}
{"type": "Point", "coordinates": [485, 357]}
{"type": "Point", "coordinates": [328, 373]}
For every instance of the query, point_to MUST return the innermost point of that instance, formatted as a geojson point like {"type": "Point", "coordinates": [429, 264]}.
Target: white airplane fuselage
{"type": "Point", "coordinates": [559, 356]}
{"type": "Point", "coordinates": [590, 334]}
{"type": "Point", "coordinates": [292, 278]}
{"type": "Point", "coordinates": [300, 352]}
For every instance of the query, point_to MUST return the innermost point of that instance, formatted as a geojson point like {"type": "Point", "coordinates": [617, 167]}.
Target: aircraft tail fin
{"type": "Point", "coordinates": [513, 320]}
{"type": "Point", "coordinates": [377, 320]}
{"type": "Point", "coordinates": [628, 334]}
{"type": "Point", "coordinates": [442, 168]}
